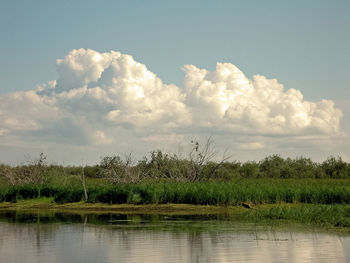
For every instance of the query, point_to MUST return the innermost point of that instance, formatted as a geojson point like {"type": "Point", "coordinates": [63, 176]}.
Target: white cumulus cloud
{"type": "Point", "coordinates": [98, 98]}
{"type": "Point", "coordinates": [113, 87]}
{"type": "Point", "coordinates": [226, 99]}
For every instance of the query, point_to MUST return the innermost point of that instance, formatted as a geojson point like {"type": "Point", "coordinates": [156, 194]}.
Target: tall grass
{"type": "Point", "coordinates": [256, 191]}
{"type": "Point", "coordinates": [164, 178]}
{"type": "Point", "coordinates": [335, 215]}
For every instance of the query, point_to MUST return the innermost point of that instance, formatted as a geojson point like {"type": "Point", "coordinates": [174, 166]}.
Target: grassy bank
{"type": "Point", "coordinates": [289, 189]}
{"type": "Point", "coordinates": [336, 217]}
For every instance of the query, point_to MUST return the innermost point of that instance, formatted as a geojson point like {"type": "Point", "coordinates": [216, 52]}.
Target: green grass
{"type": "Point", "coordinates": [288, 189]}
{"type": "Point", "coordinates": [256, 191]}
{"type": "Point", "coordinates": [336, 217]}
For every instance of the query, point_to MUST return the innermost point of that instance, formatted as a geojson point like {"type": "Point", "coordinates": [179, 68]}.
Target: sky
{"type": "Point", "coordinates": [84, 79]}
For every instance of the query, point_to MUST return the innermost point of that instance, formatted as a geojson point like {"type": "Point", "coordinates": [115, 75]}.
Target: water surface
{"type": "Point", "coordinates": [63, 237]}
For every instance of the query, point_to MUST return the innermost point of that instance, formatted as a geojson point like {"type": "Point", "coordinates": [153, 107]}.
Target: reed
{"type": "Point", "coordinates": [234, 192]}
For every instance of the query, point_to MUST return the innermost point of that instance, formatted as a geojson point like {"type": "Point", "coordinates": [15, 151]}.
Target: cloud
{"type": "Point", "coordinates": [114, 88]}
{"type": "Point", "coordinates": [102, 98]}
{"type": "Point", "coordinates": [80, 67]}
{"type": "Point", "coordinates": [26, 111]}
{"type": "Point", "coordinates": [226, 99]}
{"type": "Point", "coordinates": [251, 146]}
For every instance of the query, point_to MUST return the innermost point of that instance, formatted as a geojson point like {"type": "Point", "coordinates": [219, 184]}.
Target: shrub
{"type": "Point", "coordinates": [336, 168]}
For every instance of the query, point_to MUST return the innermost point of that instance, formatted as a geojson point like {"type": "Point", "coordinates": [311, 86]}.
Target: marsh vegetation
{"type": "Point", "coordinates": [198, 179]}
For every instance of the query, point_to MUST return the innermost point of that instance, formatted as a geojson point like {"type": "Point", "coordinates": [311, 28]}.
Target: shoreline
{"type": "Point", "coordinates": [329, 217]}
{"type": "Point", "coordinates": [47, 204]}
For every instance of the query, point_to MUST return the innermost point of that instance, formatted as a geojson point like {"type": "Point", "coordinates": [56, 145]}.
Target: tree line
{"type": "Point", "coordinates": [198, 166]}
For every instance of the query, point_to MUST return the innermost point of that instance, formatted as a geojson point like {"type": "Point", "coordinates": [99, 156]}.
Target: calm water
{"type": "Point", "coordinates": [60, 237]}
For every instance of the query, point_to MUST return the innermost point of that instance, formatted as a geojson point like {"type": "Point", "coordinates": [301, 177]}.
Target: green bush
{"type": "Point", "coordinates": [336, 168]}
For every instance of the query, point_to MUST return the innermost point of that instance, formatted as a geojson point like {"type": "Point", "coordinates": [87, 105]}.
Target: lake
{"type": "Point", "coordinates": [111, 237]}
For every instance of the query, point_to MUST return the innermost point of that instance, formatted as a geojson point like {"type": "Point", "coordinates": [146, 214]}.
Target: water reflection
{"type": "Point", "coordinates": [62, 237]}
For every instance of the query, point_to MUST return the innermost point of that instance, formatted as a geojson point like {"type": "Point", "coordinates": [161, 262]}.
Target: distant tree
{"type": "Point", "coordinates": [272, 166]}
{"type": "Point", "coordinates": [336, 168]}
{"type": "Point", "coordinates": [34, 172]}
{"type": "Point", "coordinates": [119, 171]}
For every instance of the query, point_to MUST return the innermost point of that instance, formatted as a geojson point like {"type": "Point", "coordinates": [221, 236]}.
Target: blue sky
{"type": "Point", "coordinates": [305, 45]}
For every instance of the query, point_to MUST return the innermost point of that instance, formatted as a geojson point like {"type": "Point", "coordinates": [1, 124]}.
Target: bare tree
{"type": "Point", "coordinates": [199, 156]}
{"type": "Point", "coordinates": [119, 171]}
{"type": "Point", "coordinates": [31, 173]}
{"type": "Point", "coordinates": [83, 183]}
{"type": "Point", "coordinates": [64, 174]}
{"type": "Point", "coordinates": [10, 174]}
